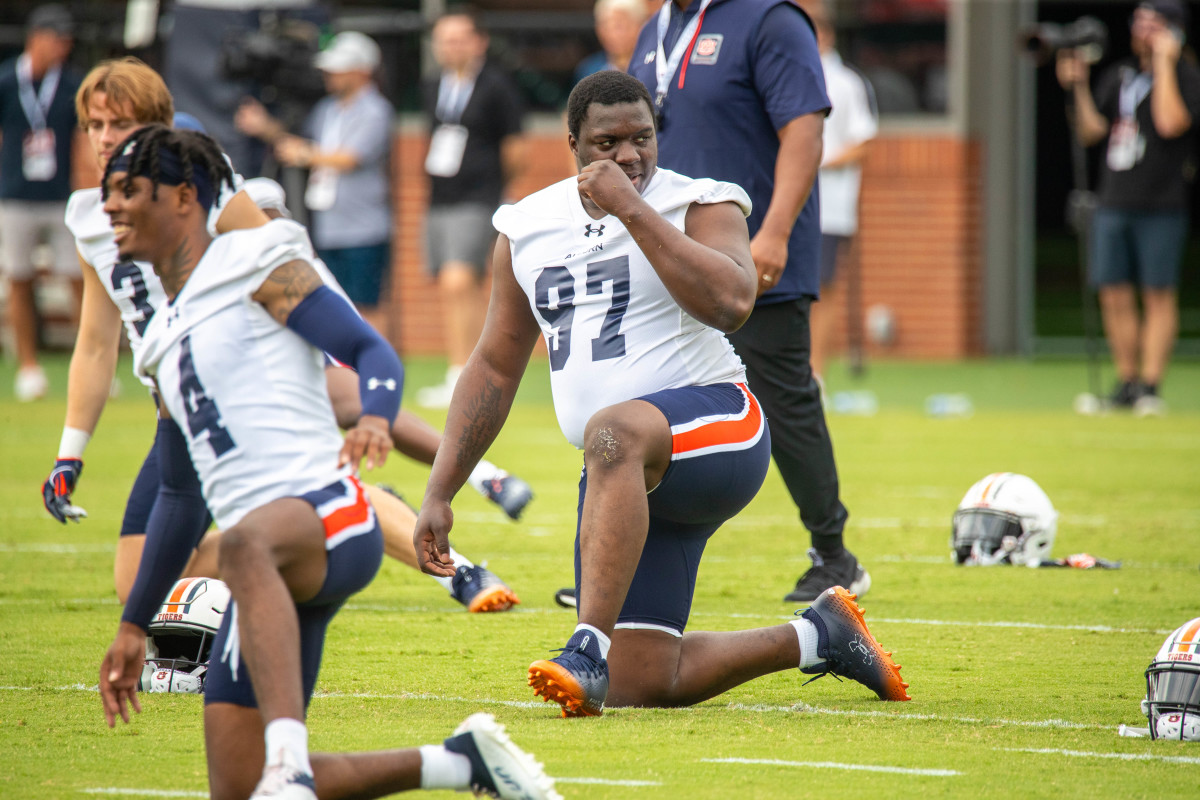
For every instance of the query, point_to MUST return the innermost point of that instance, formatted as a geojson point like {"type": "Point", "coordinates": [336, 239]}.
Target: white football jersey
{"type": "Point", "coordinates": [248, 393]}
{"type": "Point", "coordinates": [134, 288]}
{"type": "Point", "coordinates": [613, 330]}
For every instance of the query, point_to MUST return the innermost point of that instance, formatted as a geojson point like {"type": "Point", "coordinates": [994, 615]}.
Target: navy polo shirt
{"type": "Point", "coordinates": [14, 125]}
{"type": "Point", "coordinates": [754, 68]}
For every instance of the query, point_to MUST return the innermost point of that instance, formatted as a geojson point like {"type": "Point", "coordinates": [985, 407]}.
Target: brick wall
{"type": "Point", "coordinates": [919, 248]}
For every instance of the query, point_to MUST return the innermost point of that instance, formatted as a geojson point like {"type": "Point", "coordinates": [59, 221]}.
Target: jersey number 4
{"type": "Point", "coordinates": [202, 412]}
{"type": "Point", "coordinates": [559, 310]}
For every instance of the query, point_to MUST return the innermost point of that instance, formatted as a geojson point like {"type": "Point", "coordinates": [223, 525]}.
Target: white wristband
{"type": "Point", "coordinates": [73, 443]}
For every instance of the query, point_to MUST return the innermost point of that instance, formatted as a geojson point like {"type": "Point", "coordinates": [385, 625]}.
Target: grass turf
{"type": "Point", "coordinates": [1019, 677]}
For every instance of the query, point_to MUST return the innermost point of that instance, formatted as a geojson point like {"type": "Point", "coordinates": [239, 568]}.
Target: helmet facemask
{"type": "Point", "coordinates": [1173, 701]}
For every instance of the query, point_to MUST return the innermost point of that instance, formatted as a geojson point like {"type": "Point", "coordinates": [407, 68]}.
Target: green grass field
{"type": "Point", "coordinates": [1019, 677]}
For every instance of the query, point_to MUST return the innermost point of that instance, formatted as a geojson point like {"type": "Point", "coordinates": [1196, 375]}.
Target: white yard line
{"type": "Point", "coordinates": [797, 708]}
{"type": "Point", "coordinates": [56, 547]}
{"type": "Point", "coordinates": [113, 790]}
{"type": "Point", "coordinates": [1118, 756]}
{"type": "Point", "coordinates": [936, 773]}
{"type": "Point", "coordinates": [607, 782]}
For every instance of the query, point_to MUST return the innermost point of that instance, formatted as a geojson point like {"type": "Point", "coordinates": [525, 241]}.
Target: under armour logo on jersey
{"type": "Point", "coordinates": [375, 383]}
{"type": "Point", "coordinates": [588, 230]}
{"type": "Point", "coordinates": [649, 57]}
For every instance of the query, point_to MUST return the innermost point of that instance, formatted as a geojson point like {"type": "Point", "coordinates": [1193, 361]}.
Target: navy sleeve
{"type": "Point", "coordinates": [327, 321]}
{"type": "Point", "coordinates": [787, 66]}
{"type": "Point", "coordinates": [177, 521]}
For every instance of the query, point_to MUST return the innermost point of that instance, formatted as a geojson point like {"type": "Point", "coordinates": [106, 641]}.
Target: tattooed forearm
{"type": "Point", "coordinates": [286, 287]}
{"type": "Point", "coordinates": [483, 421]}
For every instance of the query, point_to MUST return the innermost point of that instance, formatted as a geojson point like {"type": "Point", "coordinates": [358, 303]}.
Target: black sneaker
{"type": "Point", "coordinates": [849, 649]}
{"type": "Point", "coordinates": [1125, 394]}
{"type": "Point", "coordinates": [824, 575]}
{"type": "Point", "coordinates": [565, 597]}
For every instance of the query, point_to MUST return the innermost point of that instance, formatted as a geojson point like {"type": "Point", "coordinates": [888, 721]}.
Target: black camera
{"type": "Point", "coordinates": [1044, 40]}
{"type": "Point", "coordinates": [279, 58]}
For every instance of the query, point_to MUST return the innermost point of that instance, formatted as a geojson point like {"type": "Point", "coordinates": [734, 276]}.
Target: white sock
{"type": "Point", "coordinates": [601, 639]}
{"type": "Point", "coordinates": [287, 735]}
{"type": "Point", "coordinates": [484, 471]}
{"type": "Point", "coordinates": [806, 632]}
{"type": "Point", "coordinates": [441, 769]}
{"type": "Point", "coordinates": [459, 561]}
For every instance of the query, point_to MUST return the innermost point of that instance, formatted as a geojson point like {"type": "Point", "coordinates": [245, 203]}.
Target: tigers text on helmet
{"type": "Point", "coordinates": [181, 635]}
{"type": "Point", "coordinates": [1004, 518]}
{"type": "Point", "coordinates": [1172, 701]}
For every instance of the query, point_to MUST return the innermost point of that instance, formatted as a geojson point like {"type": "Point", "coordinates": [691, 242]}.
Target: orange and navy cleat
{"type": "Point", "coordinates": [577, 680]}
{"type": "Point", "coordinates": [848, 649]}
{"type": "Point", "coordinates": [481, 591]}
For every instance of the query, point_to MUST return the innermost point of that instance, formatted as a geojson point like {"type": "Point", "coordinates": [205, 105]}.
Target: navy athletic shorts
{"type": "Point", "coordinates": [354, 549]}
{"type": "Point", "coordinates": [720, 454]}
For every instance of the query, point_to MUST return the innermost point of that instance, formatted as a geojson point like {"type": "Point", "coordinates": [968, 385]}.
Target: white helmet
{"type": "Point", "coordinates": [1003, 519]}
{"type": "Point", "coordinates": [1172, 701]}
{"type": "Point", "coordinates": [181, 636]}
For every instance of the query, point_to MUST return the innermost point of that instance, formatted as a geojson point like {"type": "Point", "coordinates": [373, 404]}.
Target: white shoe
{"type": "Point", "coordinates": [498, 767]}
{"type": "Point", "coordinates": [31, 384]}
{"type": "Point", "coordinates": [285, 781]}
{"type": "Point", "coordinates": [1149, 405]}
{"type": "Point", "coordinates": [435, 396]}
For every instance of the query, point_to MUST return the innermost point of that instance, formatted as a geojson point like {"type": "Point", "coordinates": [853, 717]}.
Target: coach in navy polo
{"type": "Point", "coordinates": [740, 97]}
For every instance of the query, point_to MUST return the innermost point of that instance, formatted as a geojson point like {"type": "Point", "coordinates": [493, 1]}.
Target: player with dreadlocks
{"type": "Point", "coordinates": [185, 149]}
{"type": "Point", "coordinates": [118, 97]}
{"type": "Point", "coordinates": [237, 360]}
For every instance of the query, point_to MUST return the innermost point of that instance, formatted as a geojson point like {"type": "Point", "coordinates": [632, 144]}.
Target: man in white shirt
{"type": "Point", "coordinates": [849, 129]}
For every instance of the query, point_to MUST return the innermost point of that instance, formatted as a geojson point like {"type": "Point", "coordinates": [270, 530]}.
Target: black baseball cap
{"type": "Point", "coordinates": [1175, 12]}
{"type": "Point", "coordinates": [52, 17]}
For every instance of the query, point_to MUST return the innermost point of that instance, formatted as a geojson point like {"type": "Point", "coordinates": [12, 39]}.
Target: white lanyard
{"type": "Point", "coordinates": [1134, 88]}
{"type": "Point", "coordinates": [36, 106]}
{"type": "Point", "coordinates": [664, 68]}
{"type": "Point", "coordinates": [453, 96]}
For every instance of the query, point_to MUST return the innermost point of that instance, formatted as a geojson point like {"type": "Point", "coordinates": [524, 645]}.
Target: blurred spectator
{"type": "Point", "coordinates": [474, 151]}
{"type": "Point", "coordinates": [617, 25]}
{"type": "Point", "coordinates": [40, 131]}
{"type": "Point", "coordinates": [346, 145]}
{"type": "Point", "coordinates": [849, 128]}
{"type": "Point", "coordinates": [1145, 108]}
{"type": "Point", "coordinates": [258, 39]}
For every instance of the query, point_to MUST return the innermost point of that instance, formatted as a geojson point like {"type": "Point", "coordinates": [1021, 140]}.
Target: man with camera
{"type": "Point", "coordinates": [1144, 108]}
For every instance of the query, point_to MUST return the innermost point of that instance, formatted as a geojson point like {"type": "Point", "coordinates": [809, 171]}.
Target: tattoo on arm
{"type": "Point", "coordinates": [287, 286]}
{"type": "Point", "coordinates": [483, 423]}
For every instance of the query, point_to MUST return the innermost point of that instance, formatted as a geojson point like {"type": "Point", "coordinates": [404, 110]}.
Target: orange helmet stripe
{"type": "Point", "coordinates": [181, 589]}
{"type": "Point", "coordinates": [1190, 638]}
